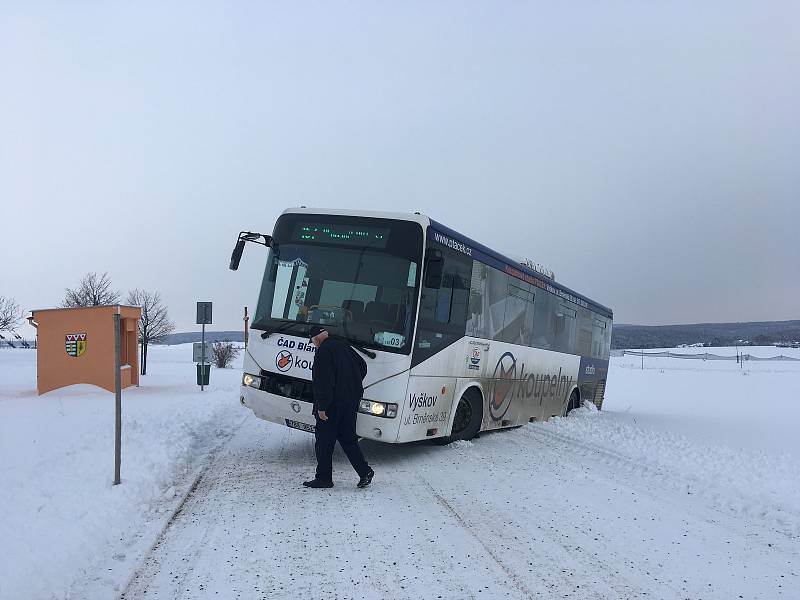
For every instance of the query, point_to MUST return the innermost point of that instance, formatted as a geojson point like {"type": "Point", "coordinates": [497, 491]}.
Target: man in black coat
{"type": "Point", "coordinates": [337, 378]}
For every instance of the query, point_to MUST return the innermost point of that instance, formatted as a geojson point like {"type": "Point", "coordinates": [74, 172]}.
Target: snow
{"type": "Point", "coordinates": [685, 485]}
{"type": "Point", "coordinates": [61, 514]}
{"type": "Point", "coordinates": [753, 406]}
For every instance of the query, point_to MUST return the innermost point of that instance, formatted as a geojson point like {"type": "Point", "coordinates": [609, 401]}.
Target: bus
{"type": "Point", "coordinates": [458, 338]}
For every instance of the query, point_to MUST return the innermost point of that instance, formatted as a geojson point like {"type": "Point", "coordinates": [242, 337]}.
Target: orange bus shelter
{"type": "Point", "coordinates": [76, 345]}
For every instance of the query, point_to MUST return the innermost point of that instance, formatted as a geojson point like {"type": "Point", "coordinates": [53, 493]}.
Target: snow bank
{"type": "Point", "coordinates": [61, 514]}
{"type": "Point", "coordinates": [727, 435]}
{"type": "Point", "coordinates": [754, 406]}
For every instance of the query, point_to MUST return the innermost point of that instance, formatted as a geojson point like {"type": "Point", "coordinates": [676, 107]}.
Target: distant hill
{"type": "Point", "coordinates": [211, 336]}
{"type": "Point", "coordinates": [762, 333]}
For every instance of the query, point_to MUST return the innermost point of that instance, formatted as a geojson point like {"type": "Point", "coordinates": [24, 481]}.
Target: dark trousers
{"type": "Point", "coordinates": [341, 426]}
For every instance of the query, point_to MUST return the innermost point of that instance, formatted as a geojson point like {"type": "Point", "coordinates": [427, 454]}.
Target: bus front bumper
{"type": "Point", "coordinates": [298, 414]}
{"type": "Point", "coordinates": [278, 409]}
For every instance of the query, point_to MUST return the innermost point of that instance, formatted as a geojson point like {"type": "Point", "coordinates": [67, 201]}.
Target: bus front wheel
{"type": "Point", "coordinates": [467, 420]}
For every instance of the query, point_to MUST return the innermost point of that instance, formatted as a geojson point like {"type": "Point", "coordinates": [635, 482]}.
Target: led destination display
{"type": "Point", "coordinates": [341, 234]}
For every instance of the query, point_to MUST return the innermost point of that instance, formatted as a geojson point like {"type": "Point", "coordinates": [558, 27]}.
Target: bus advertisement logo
{"type": "Point", "coordinates": [510, 382]}
{"type": "Point", "coordinates": [505, 372]}
{"type": "Point", "coordinates": [475, 358]}
{"type": "Point", "coordinates": [283, 361]}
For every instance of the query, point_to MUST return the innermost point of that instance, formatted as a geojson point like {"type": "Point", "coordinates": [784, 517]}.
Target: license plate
{"type": "Point", "coordinates": [300, 426]}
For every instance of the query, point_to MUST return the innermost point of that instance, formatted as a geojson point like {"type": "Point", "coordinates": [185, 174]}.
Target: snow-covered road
{"type": "Point", "coordinates": [548, 510]}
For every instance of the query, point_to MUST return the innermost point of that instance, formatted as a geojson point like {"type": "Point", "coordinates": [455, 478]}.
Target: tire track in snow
{"type": "Point", "coordinates": [512, 576]}
{"type": "Point", "coordinates": [498, 525]}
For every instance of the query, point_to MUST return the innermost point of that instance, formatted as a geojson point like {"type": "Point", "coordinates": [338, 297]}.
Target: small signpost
{"type": "Point", "coordinates": [198, 351]}
{"type": "Point", "coordinates": [203, 318]}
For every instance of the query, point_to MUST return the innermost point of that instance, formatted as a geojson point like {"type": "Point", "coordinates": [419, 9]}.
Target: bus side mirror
{"type": "Point", "coordinates": [434, 266]}
{"type": "Point", "coordinates": [248, 236]}
{"type": "Point", "coordinates": [237, 255]}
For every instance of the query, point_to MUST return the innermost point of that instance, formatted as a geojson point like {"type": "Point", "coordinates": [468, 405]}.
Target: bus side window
{"type": "Point", "coordinates": [517, 325]}
{"type": "Point", "coordinates": [544, 327]}
{"type": "Point", "coordinates": [445, 297]}
{"type": "Point", "coordinates": [566, 323]}
{"type": "Point", "coordinates": [583, 344]}
{"type": "Point", "coordinates": [476, 317]}
{"type": "Point", "coordinates": [496, 300]}
{"type": "Point", "coordinates": [444, 305]}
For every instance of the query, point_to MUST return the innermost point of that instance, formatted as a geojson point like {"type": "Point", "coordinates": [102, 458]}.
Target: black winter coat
{"type": "Point", "coordinates": [337, 376]}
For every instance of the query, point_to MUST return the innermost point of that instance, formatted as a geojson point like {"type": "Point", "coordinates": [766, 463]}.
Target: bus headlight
{"type": "Point", "coordinates": [251, 381]}
{"type": "Point", "coordinates": [378, 409]}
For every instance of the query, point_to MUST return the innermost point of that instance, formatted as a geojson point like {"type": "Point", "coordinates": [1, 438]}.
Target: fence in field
{"type": "Point", "coordinates": [703, 356]}
{"type": "Point", "coordinates": [14, 340]}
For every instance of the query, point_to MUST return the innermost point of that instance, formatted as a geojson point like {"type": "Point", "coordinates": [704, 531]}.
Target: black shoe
{"type": "Point", "coordinates": [316, 483]}
{"type": "Point", "coordinates": [366, 479]}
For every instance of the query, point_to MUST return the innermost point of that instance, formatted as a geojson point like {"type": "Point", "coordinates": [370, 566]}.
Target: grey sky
{"type": "Point", "coordinates": [647, 152]}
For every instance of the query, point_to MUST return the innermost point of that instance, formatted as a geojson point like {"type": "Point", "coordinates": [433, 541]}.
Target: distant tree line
{"type": "Point", "coordinates": [763, 333]}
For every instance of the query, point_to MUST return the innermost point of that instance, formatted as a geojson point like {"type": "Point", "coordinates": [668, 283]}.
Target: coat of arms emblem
{"type": "Point", "coordinates": [75, 343]}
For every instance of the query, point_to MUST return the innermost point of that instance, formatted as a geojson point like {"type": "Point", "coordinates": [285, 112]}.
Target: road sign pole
{"type": "Point", "coordinates": [118, 398]}
{"type": "Point", "coordinates": [203, 357]}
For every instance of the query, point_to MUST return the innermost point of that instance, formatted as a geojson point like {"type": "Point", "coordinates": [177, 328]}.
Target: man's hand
{"type": "Point", "coordinates": [322, 415]}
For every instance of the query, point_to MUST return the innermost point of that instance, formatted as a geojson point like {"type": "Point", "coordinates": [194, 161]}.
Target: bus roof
{"type": "Point", "coordinates": [476, 249]}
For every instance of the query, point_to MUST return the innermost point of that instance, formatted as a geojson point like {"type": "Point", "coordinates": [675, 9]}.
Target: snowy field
{"type": "Point", "coordinates": [686, 485]}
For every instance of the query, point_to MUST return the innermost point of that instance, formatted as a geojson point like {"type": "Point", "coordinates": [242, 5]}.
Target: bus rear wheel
{"type": "Point", "coordinates": [573, 402]}
{"type": "Point", "coordinates": [467, 420]}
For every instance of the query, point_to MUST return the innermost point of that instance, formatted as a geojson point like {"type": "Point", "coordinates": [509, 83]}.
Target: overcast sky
{"type": "Point", "coordinates": [647, 152]}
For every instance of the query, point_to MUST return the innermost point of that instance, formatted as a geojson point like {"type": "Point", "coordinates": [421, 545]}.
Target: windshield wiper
{"type": "Point", "coordinates": [280, 329]}
{"type": "Point", "coordinates": [289, 324]}
{"type": "Point", "coordinates": [357, 345]}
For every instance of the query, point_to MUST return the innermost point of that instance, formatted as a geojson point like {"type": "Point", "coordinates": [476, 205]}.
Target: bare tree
{"type": "Point", "coordinates": [154, 324]}
{"type": "Point", "coordinates": [10, 314]}
{"type": "Point", "coordinates": [93, 290]}
{"type": "Point", "coordinates": [223, 353]}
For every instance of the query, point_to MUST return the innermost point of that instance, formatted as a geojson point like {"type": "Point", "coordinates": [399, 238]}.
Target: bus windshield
{"type": "Point", "coordinates": [356, 276]}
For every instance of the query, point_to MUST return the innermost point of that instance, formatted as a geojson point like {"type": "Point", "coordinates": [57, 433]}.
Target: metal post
{"type": "Point", "coordinates": [246, 331]}
{"type": "Point", "coordinates": [118, 398]}
{"type": "Point", "coordinates": [642, 359]}
{"type": "Point", "coordinates": [203, 357]}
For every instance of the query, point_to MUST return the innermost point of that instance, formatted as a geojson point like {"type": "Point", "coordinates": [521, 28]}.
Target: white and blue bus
{"type": "Point", "coordinates": [457, 337]}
